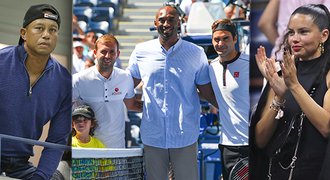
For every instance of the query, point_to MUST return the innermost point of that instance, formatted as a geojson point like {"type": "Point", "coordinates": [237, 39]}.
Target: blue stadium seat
{"type": "Point", "coordinates": [110, 3]}
{"type": "Point", "coordinates": [102, 27]}
{"type": "Point", "coordinates": [103, 14]}
{"type": "Point", "coordinates": [84, 3]}
{"type": "Point", "coordinates": [208, 152]}
{"type": "Point", "coordinates": [83, 13]}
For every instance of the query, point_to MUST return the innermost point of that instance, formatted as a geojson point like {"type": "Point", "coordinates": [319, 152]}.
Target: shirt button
{"type": "Point", "coordinates": [106, 89]}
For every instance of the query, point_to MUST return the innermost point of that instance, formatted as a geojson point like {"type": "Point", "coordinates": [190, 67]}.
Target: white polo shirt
{"type": "Point", "coordinates": [231, 87]}
{"type": "Point", "coordinates": [105, 96]}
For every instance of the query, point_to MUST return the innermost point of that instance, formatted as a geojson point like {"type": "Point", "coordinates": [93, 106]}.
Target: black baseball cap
{"type": "Point", "coordinates": [38, 12]}
{"type": "Point", "coordinates": [84, 110]}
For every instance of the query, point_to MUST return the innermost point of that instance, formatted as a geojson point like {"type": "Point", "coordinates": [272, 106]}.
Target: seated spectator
{"type": "Point", "coordinates": [84, 124]}
{"type": "Point", "coordinates": [231, 12]}
{"type": "Point", "coordinates": [76, 29]}
{"type": "Point", "coordinates": [78, 58]}
{"type": "Point", "coordinates": [89, 63]}
{"type": "Point", "coordinates": [89, 41]}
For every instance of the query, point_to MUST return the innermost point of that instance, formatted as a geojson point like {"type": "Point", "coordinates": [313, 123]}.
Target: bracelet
{"type": "Point", "coordinates": [274, 107]}
{"type": "Point", "coordinates": [277, 106]}
{"type": "Point", "coordinates": [277, 103]}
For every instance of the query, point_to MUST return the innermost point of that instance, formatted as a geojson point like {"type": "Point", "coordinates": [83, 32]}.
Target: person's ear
{"type": "Point", "coordinates": [235, 38]}
{"type": "Point", "coordinates": [94, 53]}
{"type": "Point", "coordinates": [325, 35]}
{"type": "Point", "coordinates": [155, 24]}
{"type": "Point", "coordinates": [23, 33]}
{"type": "Point", "coordinates": [93, 124]}
{"type": "Point", "coordinates": [118, 54]}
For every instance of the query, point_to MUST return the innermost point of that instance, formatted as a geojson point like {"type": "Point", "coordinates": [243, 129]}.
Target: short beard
{"type": "Point", "coordinates": [166, 36]}
{"type": "Point", "coordinates": [103, 68]}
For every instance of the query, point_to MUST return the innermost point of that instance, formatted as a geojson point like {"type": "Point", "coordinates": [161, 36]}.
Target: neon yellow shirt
{"type": "Point", "coordinates": [93, 143]}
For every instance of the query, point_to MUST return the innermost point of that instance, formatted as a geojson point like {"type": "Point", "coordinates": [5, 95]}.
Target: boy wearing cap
{"type": "Point", "coordinates": [84, 124]}
{"type": "Point", "coordinates": [229, 74]}
{"type": "Point", "coordinates": [34, 89]}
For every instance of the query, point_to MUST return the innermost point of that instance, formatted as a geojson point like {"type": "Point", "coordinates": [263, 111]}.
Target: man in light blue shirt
{"type": "Point", "coordinates": [172, 70]}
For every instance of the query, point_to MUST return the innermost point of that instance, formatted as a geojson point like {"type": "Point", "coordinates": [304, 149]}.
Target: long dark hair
{"type": "Point", "coordinates": [321, 17]}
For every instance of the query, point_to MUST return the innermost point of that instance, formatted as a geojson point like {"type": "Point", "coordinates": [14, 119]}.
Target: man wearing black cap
{"type": "Point", "coordinates": [229, 74]}
{"type": "Point", "coordinates": [34, 89]}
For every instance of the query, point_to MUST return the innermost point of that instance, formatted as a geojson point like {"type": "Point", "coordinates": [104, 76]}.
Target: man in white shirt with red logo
{"type": "Point", "coordinates": [104, 88]}
{"type": "Point", "coordinates": [229, 74]}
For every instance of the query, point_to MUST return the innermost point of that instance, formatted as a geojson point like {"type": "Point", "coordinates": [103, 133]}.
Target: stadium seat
{"type": "Point", "coordinates": [103, 14]}
{"type": "Point", "coordinates": [83, 13]}
{"type": "Point", "coordinates": [99, 27]}
{"type": "Point", "coordinates": [110, 3]}
{"type": "Point", "coordinates": [84, 3]}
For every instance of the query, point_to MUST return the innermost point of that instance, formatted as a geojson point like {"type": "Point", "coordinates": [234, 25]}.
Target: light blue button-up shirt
{"type": "Point", "coordinates": [171, 109]}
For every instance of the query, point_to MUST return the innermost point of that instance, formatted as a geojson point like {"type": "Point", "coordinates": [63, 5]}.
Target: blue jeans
{"type": "Point", "coordinates": [17, 167]}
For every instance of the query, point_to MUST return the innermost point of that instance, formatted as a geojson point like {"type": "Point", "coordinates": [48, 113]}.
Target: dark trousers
{"type": "Point", "coordinates": [17, 167]}
{"type": "Point", "coordinates": [230, 155]}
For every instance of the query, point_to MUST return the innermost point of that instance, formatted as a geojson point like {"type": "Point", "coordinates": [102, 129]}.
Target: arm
{"type": "Point", "coordinates": [59, 131]}
{"type": "Point", "coordinates": [318, 115]}
{"type": "Point", "coordinates": [206, 91]}
{"type": "Point", "coordinates": [268, 20]}
{"type": "Point", "coordinates": [133, 104]}
{"type": "Point", "coordinates": [267, 124]}
{"type": "Point", "coordinates": [136, 82]}
{"type": "Point", "coordinates": [133, 69]}
{"type": "Point", "coordinates": [130, 101]}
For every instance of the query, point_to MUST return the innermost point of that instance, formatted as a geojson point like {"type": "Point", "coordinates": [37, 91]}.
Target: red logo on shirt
{"type": "Point", "coordinates": [117, 92]}
{"type": "Point", "coordinates": [236, 74]}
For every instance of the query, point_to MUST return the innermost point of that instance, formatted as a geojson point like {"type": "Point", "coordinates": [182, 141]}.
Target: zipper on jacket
{"type": "Point", "coordinates": [32, 85]}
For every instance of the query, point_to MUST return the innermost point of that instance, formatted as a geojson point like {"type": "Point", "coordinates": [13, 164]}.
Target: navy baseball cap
{"type": "Point", "coordinates": [39, 12]}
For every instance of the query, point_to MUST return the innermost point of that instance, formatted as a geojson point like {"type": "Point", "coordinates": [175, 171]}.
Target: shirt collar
{"type": "Point", "coordinates": [174, 47]}
{"type": "Point", "coordinates": [22, 56]}
{"type": "Point", "coordinates": [98, 74]}
{"type": "Point", "coordinates": [230, 61]}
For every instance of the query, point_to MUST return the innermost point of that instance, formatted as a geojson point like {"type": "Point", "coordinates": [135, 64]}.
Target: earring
{"type": "Point", "coordinates": [321, 45]}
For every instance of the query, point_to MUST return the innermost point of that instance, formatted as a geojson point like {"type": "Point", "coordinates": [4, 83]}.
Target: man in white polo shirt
{"type": "Point", "coordinates": [104, 88]}
{"type": "Point", "coordinates": [229, 74]}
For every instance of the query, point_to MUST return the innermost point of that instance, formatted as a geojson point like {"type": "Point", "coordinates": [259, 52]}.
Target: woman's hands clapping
{"type": "Point", "coordinates": [267, 67]}
{"type": "Point", "coordinates": [289, 70]}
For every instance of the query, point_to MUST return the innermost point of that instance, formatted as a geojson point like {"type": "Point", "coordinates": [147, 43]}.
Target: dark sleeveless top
{"type": "Point", "coordinates": [312, 146]}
